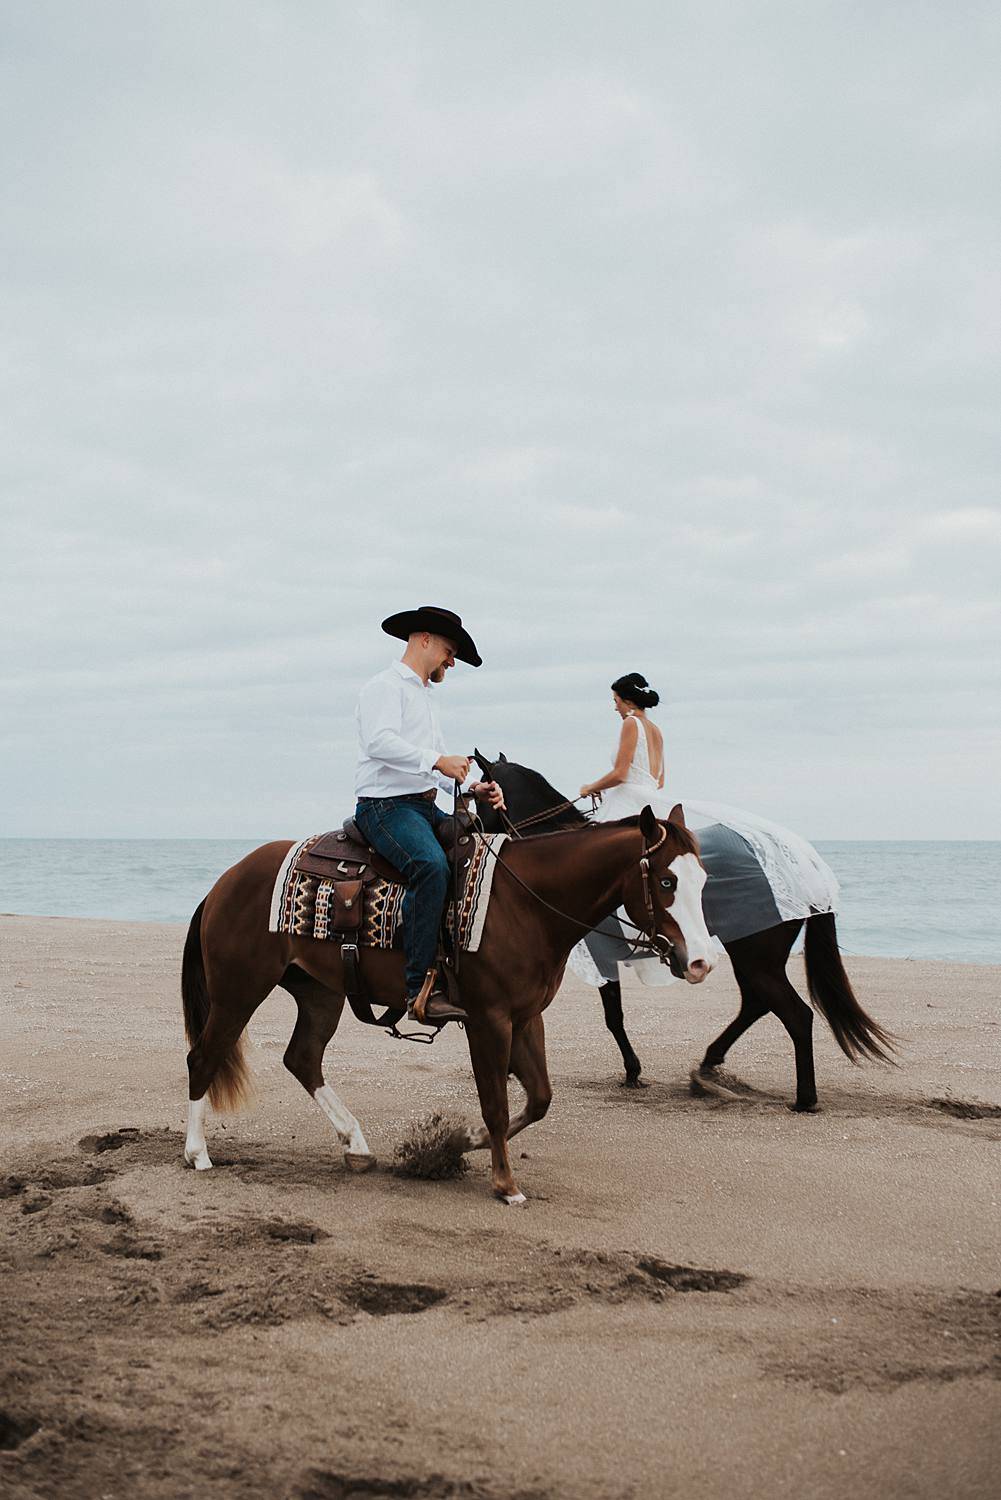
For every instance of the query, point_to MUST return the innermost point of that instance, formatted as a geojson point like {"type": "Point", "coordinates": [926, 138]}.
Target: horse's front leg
{"type": "Point", "coordinates": [528, 1064]}
{"type": "Point", "coordinates": [490, 1052]}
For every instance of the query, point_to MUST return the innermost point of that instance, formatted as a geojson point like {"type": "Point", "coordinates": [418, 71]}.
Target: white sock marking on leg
{"type": "Point", "coordinates": [196, 1151]}
{"type": "Point", "coordinates": [349, 1132]}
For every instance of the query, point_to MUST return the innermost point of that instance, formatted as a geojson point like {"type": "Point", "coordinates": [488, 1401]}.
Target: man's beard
{"type": "Point", "coordinates": [438, 675]}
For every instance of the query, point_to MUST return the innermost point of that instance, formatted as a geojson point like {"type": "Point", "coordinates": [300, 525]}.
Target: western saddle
{"type": "Point", "coordinates": [348, 862]}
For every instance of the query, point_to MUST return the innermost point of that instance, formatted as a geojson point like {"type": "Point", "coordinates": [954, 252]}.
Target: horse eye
{"type": "Point", "coordinates": [667, 883]}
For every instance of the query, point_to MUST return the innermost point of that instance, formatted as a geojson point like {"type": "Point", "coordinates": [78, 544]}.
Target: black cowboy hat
{"type": "Point", "coordinates": [437, 621]}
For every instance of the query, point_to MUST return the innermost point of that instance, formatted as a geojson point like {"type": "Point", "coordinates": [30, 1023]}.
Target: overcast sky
{"type": "Point", "coordinates": [658, 337]}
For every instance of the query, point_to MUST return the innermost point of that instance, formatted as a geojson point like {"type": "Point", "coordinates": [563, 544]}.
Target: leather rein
{"type": "Point", "coordinates": [651, 941]}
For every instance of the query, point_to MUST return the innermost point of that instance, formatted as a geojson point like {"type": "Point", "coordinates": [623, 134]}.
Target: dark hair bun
{"type": "Point", "coordinates": [634, 688]}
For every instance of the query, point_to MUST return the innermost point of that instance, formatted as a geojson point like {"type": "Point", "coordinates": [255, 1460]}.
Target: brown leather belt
{"type": "Point", "coordinates": [430, 795]}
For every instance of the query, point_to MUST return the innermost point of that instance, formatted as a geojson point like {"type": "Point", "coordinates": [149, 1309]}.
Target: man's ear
{"type": "Point", "coordinates": [648, 824]}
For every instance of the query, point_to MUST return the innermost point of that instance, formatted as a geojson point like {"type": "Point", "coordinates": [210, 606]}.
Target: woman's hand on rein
{"type": "Point", "coordinates": [491, 791]}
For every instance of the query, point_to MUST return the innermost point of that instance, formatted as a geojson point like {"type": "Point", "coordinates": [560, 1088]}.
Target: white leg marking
{"type": "Point", "coordinates": [196, 1152]}
{"type": "Point", "coordinates": [349, 1132]}
{"type": "Point", "coordinates": [513, 1200]}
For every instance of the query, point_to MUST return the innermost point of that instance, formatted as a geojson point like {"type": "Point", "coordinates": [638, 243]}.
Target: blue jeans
{"type": "Point", "coordinates": [401, 829]}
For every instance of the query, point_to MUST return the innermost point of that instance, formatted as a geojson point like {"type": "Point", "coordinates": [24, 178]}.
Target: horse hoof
{"type": "Point", "coordinates": [200, 1160]}
{"type": "Point", "coordinates": [634, 1083]}
{"type": "Point", "coordinates": [512, 1200]}
{"type": "Point", "coordinates": [356, 1163]}
{"type": "Point", "coordinates": [701, 1081]}
{"type": "Point", "coordinates": [805, 1109]}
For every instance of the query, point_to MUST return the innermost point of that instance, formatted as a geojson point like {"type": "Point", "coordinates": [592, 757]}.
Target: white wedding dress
{"type": "Point", "coordinates": [789, 882]}
{"type": "Point", "coordinates": [639, 789]}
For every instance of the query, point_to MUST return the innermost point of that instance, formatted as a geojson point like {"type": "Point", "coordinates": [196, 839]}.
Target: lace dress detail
{"type": "Point", "coordinates": [802, 884]}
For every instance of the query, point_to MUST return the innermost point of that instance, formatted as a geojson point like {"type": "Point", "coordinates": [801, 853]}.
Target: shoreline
{"type": "Point", "coordinates": [182, 926]}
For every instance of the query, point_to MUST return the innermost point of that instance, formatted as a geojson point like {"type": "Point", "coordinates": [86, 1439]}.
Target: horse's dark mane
{"type": "Point", "coordinates": [541, 784]}
{"type": "Point", "coordinates": [572, 815]}
{"type": "Point", "coordinates": [684, 836]}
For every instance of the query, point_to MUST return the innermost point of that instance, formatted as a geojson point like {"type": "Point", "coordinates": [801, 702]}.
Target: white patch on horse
{"type": "Point", "coordinates": [196, 1151]}
{"type": "Point", "coordinates": [349, 1132]}
{"type": "Point", "coordinates": [686, 908]}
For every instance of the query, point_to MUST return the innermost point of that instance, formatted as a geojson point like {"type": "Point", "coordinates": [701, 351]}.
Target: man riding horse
{"type": "Point", "coordinates": [402, 765]}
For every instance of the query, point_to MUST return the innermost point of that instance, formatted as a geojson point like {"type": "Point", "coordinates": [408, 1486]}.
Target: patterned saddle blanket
{"type": "Point", "coordinates": [333, 888]}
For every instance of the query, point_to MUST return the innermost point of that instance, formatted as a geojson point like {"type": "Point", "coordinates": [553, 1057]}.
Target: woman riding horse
{"type": "Point", "coordinates": [743, 910]}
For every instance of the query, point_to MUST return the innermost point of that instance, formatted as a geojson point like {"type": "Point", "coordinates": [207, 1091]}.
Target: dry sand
{"type": "Point", "coordinates": [279, 1327]}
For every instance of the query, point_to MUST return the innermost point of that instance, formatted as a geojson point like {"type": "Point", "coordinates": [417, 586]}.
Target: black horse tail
{"type": "Point", "coordinates": [231, 1084]}
{"type": "Point", "coordinates": [857, 1034]}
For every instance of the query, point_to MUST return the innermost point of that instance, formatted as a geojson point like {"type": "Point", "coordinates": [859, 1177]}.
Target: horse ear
{"type": "Point", "coordinates": [648, 823]}
{"type": "Point", "coordinates": [502, 757]}
{"type": "Point", "coordinates": [481, 761]}
{"type": "Point", "coordinates": [677, 815]}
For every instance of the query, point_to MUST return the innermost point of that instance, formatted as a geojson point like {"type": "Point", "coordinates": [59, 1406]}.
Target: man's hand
{"type": "Point", "coordinates": [455, 767]}
{"type": "Point", "coordinates": [491, 791]}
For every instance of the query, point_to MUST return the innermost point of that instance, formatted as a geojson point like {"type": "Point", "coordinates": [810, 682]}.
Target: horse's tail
{"type": "Point", "coordinates": [231, 1085]}
{"type": "Point", "coordinates": [856, 1033]}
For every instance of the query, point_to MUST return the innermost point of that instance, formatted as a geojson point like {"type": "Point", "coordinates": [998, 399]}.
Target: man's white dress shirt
{"type": "Point", "coordinates": [399, 738]}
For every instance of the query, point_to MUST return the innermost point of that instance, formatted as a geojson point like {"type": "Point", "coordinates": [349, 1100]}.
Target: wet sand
{"type": "Point", "coordinates": [281, 1327]}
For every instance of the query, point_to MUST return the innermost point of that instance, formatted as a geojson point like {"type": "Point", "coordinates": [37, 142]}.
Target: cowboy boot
{"type": "Point", "coordinates": [431, 1006]}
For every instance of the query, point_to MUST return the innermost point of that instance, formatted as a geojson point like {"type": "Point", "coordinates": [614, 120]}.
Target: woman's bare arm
{"type": "Point", "coordinates": [623, 760]}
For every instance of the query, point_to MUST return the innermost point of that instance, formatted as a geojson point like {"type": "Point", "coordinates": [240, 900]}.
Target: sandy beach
{"type": "Point", "coordinates": [280, 1327]}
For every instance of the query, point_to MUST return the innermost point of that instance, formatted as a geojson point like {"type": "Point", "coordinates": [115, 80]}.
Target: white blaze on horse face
{"type": "Point", "coordinates": [686, 909]}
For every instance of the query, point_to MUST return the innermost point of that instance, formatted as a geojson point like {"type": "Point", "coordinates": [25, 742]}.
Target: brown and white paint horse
{"type": "Point", "coordinates": [547, 890]}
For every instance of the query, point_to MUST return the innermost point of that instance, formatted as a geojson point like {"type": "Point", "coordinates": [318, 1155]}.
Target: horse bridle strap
{"type": "Point", "coordinates": [540, 817]}
{"type": "Point", "coordinates": [655, 938]}
{"type": "Point", "coordinates": [658, 943]}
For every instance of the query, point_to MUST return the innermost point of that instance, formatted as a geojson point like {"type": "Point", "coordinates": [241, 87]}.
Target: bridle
{"type": "Point", "coordinates": [659, 941]}
{"type": "Point", "coordinates": [658, 944]}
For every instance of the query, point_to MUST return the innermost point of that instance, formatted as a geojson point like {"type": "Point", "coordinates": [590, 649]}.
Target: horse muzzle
{"type": "Point", "coordinates": [697, 970]}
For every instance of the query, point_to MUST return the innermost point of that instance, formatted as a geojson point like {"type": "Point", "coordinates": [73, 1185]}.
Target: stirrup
{"type": "Point", "coordinates": [414, 1036]}
{"type": "Point", "coordinates": [420, 1000]}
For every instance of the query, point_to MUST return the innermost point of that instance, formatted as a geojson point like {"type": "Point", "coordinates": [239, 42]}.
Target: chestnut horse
{"type": "Point", "coordinates": [546, 892]}
{"type": "Point", "coordinates": [759, 961]}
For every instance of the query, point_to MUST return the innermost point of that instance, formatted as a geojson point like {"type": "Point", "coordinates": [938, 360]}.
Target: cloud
{"type": "Point", "coordinates": [642, 340]}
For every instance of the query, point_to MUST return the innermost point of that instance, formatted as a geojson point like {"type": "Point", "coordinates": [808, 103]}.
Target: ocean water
{"type": "Point", "coordinates": [898, 900]}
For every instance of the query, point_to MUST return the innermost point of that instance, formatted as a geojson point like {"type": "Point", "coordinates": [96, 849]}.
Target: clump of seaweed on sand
{"type": "Point", "coordinates": [432, 1150]}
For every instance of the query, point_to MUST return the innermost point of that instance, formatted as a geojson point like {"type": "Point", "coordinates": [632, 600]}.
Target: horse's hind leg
{"type": "Point", "coordinates": [319, 1012]}
{"type": "Point", "coordinates": [797, 1018]}
{"type": "Point", "coordinates": [703, 1078]}
{"type": "Point", "coordinates": [216, 1071]}
{"type": "Point", "coordinates": [759, 966]}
